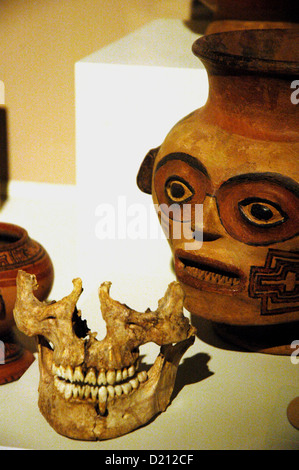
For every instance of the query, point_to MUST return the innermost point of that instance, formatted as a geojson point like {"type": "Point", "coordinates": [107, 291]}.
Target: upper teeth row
{"type": "Point", "coordinates": [214, 277]}
{"type": "Point", "coordinates": [92, 376]}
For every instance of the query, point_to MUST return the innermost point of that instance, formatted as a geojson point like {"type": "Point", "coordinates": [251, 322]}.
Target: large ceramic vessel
{"type": "Point", "coordinates": [260, 10]}
{"type": "Point", "coordinates": [237, 157]}
{"type": "Point", "coordinates": [18, 251]}
{"type": "Point", "coordinates": [232, 15]}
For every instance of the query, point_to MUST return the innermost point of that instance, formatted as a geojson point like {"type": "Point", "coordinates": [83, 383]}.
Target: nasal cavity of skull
{"type": "Point", "coordinates": [80, 327]}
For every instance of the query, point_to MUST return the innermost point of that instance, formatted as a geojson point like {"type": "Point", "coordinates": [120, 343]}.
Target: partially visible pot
{"type": "Point", "coordinates": [232, 15]}
{"type": "Point", "coordinates": [18, 251]}
{"type": "Point", "coordinates": [254, 10]}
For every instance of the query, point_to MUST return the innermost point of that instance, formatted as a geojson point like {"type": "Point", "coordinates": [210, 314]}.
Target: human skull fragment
{"type": "Point", "coordinates": [91, 389]}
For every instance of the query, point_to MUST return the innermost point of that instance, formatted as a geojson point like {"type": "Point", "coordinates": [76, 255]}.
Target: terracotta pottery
{"type": "Point", "coordinates": [259, 10]}
{"type": "Point", "coordinates": [237, 159]}
{"type": "Point", "coordinates": [220, 26]}
{"type": "Point", "coordinates": [293, 412]}
{"type": "Point", "coordinates": [18, 251]}
{"type": "Point", "coordinates": [232, 15]}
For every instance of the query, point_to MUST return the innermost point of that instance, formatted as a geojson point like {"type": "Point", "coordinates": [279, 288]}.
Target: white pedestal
{"type": "Point", "coordinates": [128, 96]}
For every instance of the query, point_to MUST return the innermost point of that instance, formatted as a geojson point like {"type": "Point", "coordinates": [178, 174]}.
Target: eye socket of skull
{"type": "Point", "coordinates": [259, 211]}
{"type": "Point", "coordinates": [180, 179]}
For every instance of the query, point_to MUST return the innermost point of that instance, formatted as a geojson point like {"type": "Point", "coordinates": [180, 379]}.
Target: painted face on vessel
{"type": "Point", "coordinates": [233, 233]}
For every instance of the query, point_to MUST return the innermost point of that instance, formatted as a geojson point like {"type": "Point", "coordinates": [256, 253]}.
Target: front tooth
{"type": "Point", "coordinates": [68, 375]}
{"type": "Point", "coordinates": [91, 377]}
{"type": "Point", "coordinates": [81, 391]}
{"type": "Point", "coordinates": [61, 386]}
{"type": "Point", "coordinates": [125, 373]}
{"type": "Point", "coordinates": [111, 391]}
{"type": "Point", "coordinates": [131, 371]}
{"type": "Point", "coordinates": [75, 391]}
{"type": "Point", "coordinates": [111, 377]}
{"type": "Point", "coordinates": [87, 390]}
{"type": "Point", "coordinates": [142, 376]}
{"type": "Point", "coordinates": [94, 392]}
{"type": "Point", "coordinates": [119, 376]}
{"type": "Point", "coordinates": [54, 369]}
{"type": "Point", "coordinates": [60, 372]}
{"type": "Point", "coordinates": [78, 375]}
{"type": "Point", "coordinates": [102, 396]}
{"type": "Point", "coordinates": [102, 377]}
{"type": "Point", "coordinates": [68, 391]}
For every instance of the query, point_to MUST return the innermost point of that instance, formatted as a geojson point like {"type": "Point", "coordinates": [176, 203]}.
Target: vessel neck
{"type": "Point", "coordinates": [260, 107]}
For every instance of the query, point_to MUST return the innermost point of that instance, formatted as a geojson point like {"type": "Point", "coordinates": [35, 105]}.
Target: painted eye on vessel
{"type": "Point", "coordinates": [178, 190]}
{"type": "Point", "coordinates": [262, 213]}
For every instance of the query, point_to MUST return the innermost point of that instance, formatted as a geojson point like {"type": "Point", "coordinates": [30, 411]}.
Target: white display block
{"type": "Point", "coordinates": [128, 96]}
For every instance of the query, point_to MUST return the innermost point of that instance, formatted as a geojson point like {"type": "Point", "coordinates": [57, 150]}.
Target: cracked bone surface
{"type": "Point", "coordinates": [91, 389]}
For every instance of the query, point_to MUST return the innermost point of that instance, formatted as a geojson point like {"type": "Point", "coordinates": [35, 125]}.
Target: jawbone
{"type": "Point", "coordinates": [102, 415]}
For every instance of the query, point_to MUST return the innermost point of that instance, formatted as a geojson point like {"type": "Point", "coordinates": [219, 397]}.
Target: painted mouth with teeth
{"type": "Point", "coordinates": [94, 389]}
{"type": "Point", "coordinates": [206, 274]}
